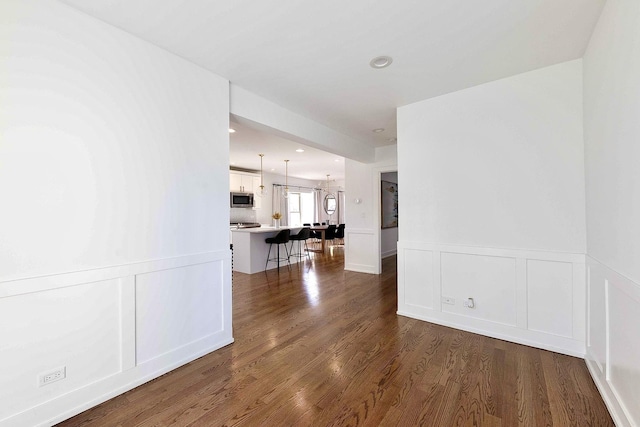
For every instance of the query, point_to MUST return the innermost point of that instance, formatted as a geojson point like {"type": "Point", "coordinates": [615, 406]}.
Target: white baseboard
{"type": "Point", "coordinates": [360, 268]}
{"type": "Point", "coordinates": [532, 339]}
{"type": "Point", "coordinates": [387, 254]}
{"type": "Point", "coordinates": [615, 410]}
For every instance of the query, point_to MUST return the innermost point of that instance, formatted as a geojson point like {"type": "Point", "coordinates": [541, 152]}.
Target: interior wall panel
{"type": "Point", "coordinates": [550, 297]}
{"type": "Point", "coordinates": [511, 292]}
{"type": "Point", "coordinates": [173, 308]}
{"type": "Point", "coordinates": [597, 331]}
{"type": "Point", "coordinates": [488, 280]}
{"type": "Point", "coordinates": [359, 250]}
{"type": "Point", "coordinates": [41, 332]}
{"type": "Point", "coordinates": [613, 348]}
{"type": "Point", "coordinates": [418, 265]}
{"type": "Point", "coordinates": [624, 349]}
{"type": "Point", "coordinates": [94, 322]}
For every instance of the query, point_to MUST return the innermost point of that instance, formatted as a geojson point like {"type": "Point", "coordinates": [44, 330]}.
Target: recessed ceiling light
{"type": "Point", "coordinates": [299, 150]}
{"type": "Point", "coordinates": [272, 169]}
{"type": "Point", "coordinates": [337, 160]}
{"type": "Point", "coordinates": [378, 130]}
{"type": "Point", "coordinates": [381, 62]}
{"type": "Point", "coordinates": [232, 130]}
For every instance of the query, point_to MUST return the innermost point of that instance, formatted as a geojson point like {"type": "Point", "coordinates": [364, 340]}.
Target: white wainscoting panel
{"type": "Point", "coordinates": [177, 304]}
{"type": "Point", "coordinates": [613, 344]}
{"type": "Point", "coordinates": [360, 250]}
{"type": "Point", "coordinates": [112, 329]}
{"type": "Point", "coordinates": [488, 280]}
{"type": "Point", "coordinates": [596, 317]}
{"type": "Point", "coordinates": [419, 265]}
{"type": "Point", "coordinates": [41, 332]}
{"type": "Point", "coordinates": [550, 297]}
{"type": "Point", "coordinates": [511, 290]}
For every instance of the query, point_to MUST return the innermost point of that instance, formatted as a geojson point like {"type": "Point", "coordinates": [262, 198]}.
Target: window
{"type": "Point", "coordinates": [301, 208]}
{"type": "Point", "coordinates": [294, 209]}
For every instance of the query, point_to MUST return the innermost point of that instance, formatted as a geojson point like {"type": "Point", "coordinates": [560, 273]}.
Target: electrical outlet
{"type": "Point", "coordinates": [449, 300]}
{"type": "Point", "coordinates": [52, 376]}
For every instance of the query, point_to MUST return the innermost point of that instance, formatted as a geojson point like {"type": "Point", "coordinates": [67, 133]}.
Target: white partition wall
{"type": "Point", "coordinates": [495, 179]}
{"type": "Point", "coordinates": [114, 239]}
{"type": "Point", "coordinates": [612, 164]}
{"type": "Point", "coordinates": [362, 210]}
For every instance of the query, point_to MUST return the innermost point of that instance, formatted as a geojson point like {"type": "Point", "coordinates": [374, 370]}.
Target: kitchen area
{"type": "Point", "coordinates": [247, 235]}
{"type": "Point", "coordinates": [268, 176]}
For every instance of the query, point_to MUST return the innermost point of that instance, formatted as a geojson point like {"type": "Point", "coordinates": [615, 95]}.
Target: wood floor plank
{"type": "Point", "coordinates": [319, 346]}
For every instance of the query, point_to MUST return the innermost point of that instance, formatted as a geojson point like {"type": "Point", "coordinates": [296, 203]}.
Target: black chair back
{"type": "Point", "coordinates": [281, 237]}
{"type": "Point", "coordinates": [303, 234]}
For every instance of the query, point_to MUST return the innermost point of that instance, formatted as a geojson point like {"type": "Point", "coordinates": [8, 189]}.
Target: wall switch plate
{"type": "Point", "coordinates": [52, 376]}
{"type": "Point", "coordinates": [449, 300]}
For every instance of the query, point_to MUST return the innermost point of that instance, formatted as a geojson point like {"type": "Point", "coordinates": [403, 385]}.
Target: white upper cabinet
{"type": "Point", "coordinates": [243, 183]}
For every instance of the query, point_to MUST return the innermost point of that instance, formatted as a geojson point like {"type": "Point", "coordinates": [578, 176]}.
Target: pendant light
{"type": "Point", "coordinates": [326, 190]}
{"type": "Point", "coordinates": [262, 191]}
{"type": "Point", "coordinates": [286, 179]}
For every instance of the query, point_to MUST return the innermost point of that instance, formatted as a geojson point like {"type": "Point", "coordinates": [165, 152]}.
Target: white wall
{"type": "Point", "coordinates": [496, 177]}
{"type": "Point", "coordinates": [389, 236]}
{"type": "Point", "coordinates": [362, 219]}
{"type": "Point", "coordinates": [497, 165]}
{"type": "Point", "coordinates": [113, 172]}
{"type": "Point", "coordinates": [612, 155]}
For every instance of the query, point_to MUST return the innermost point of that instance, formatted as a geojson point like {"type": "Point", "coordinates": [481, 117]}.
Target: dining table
{"type": "Point", "coordinates": [322, 229]}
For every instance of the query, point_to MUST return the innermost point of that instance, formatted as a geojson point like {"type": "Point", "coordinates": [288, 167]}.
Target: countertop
{"type": "Point", "coordinates": [263, 229]}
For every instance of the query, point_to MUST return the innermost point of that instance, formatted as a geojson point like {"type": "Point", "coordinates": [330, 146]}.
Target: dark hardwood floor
{"type": "Point", "coordinates": [316, 345]}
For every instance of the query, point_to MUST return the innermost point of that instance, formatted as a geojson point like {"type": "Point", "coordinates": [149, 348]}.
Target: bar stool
{"type": "Point", "coordinates": [302, 236]}
{"type": "Point", "coordinates": [282, 238]}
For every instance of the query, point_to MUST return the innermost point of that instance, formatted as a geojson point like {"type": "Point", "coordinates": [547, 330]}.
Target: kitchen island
{"type": "Point", "coordinates": [250, 250]}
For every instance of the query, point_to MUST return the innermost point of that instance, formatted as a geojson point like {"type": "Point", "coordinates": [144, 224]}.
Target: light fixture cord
{"type": "Point", "coordinates": [261, 183]}
{"type": "Point", "coordinates": [286, 175]}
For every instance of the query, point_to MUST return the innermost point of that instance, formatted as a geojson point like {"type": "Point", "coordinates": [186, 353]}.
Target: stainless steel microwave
{"type": "Point", "coordinates": [241, 200]}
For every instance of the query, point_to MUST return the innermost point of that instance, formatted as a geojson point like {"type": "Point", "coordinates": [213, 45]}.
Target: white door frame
{"type": "Point", "coordinates": [376, 178]}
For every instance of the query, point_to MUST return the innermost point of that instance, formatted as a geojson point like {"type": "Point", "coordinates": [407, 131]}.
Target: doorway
{"type": "Point", "coordinates": [389, 214]}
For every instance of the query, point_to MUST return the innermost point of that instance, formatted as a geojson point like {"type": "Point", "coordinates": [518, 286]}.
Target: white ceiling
{"type": "Point", "coordinates": [312, 57]}
{"type": "Point", "coordinates": [246, 143]}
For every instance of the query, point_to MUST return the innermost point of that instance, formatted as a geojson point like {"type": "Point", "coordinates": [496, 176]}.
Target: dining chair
{"type": "Point", "coordinates": [330, 233]}
{"type": "Point", "coordinates": [340, 234]}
